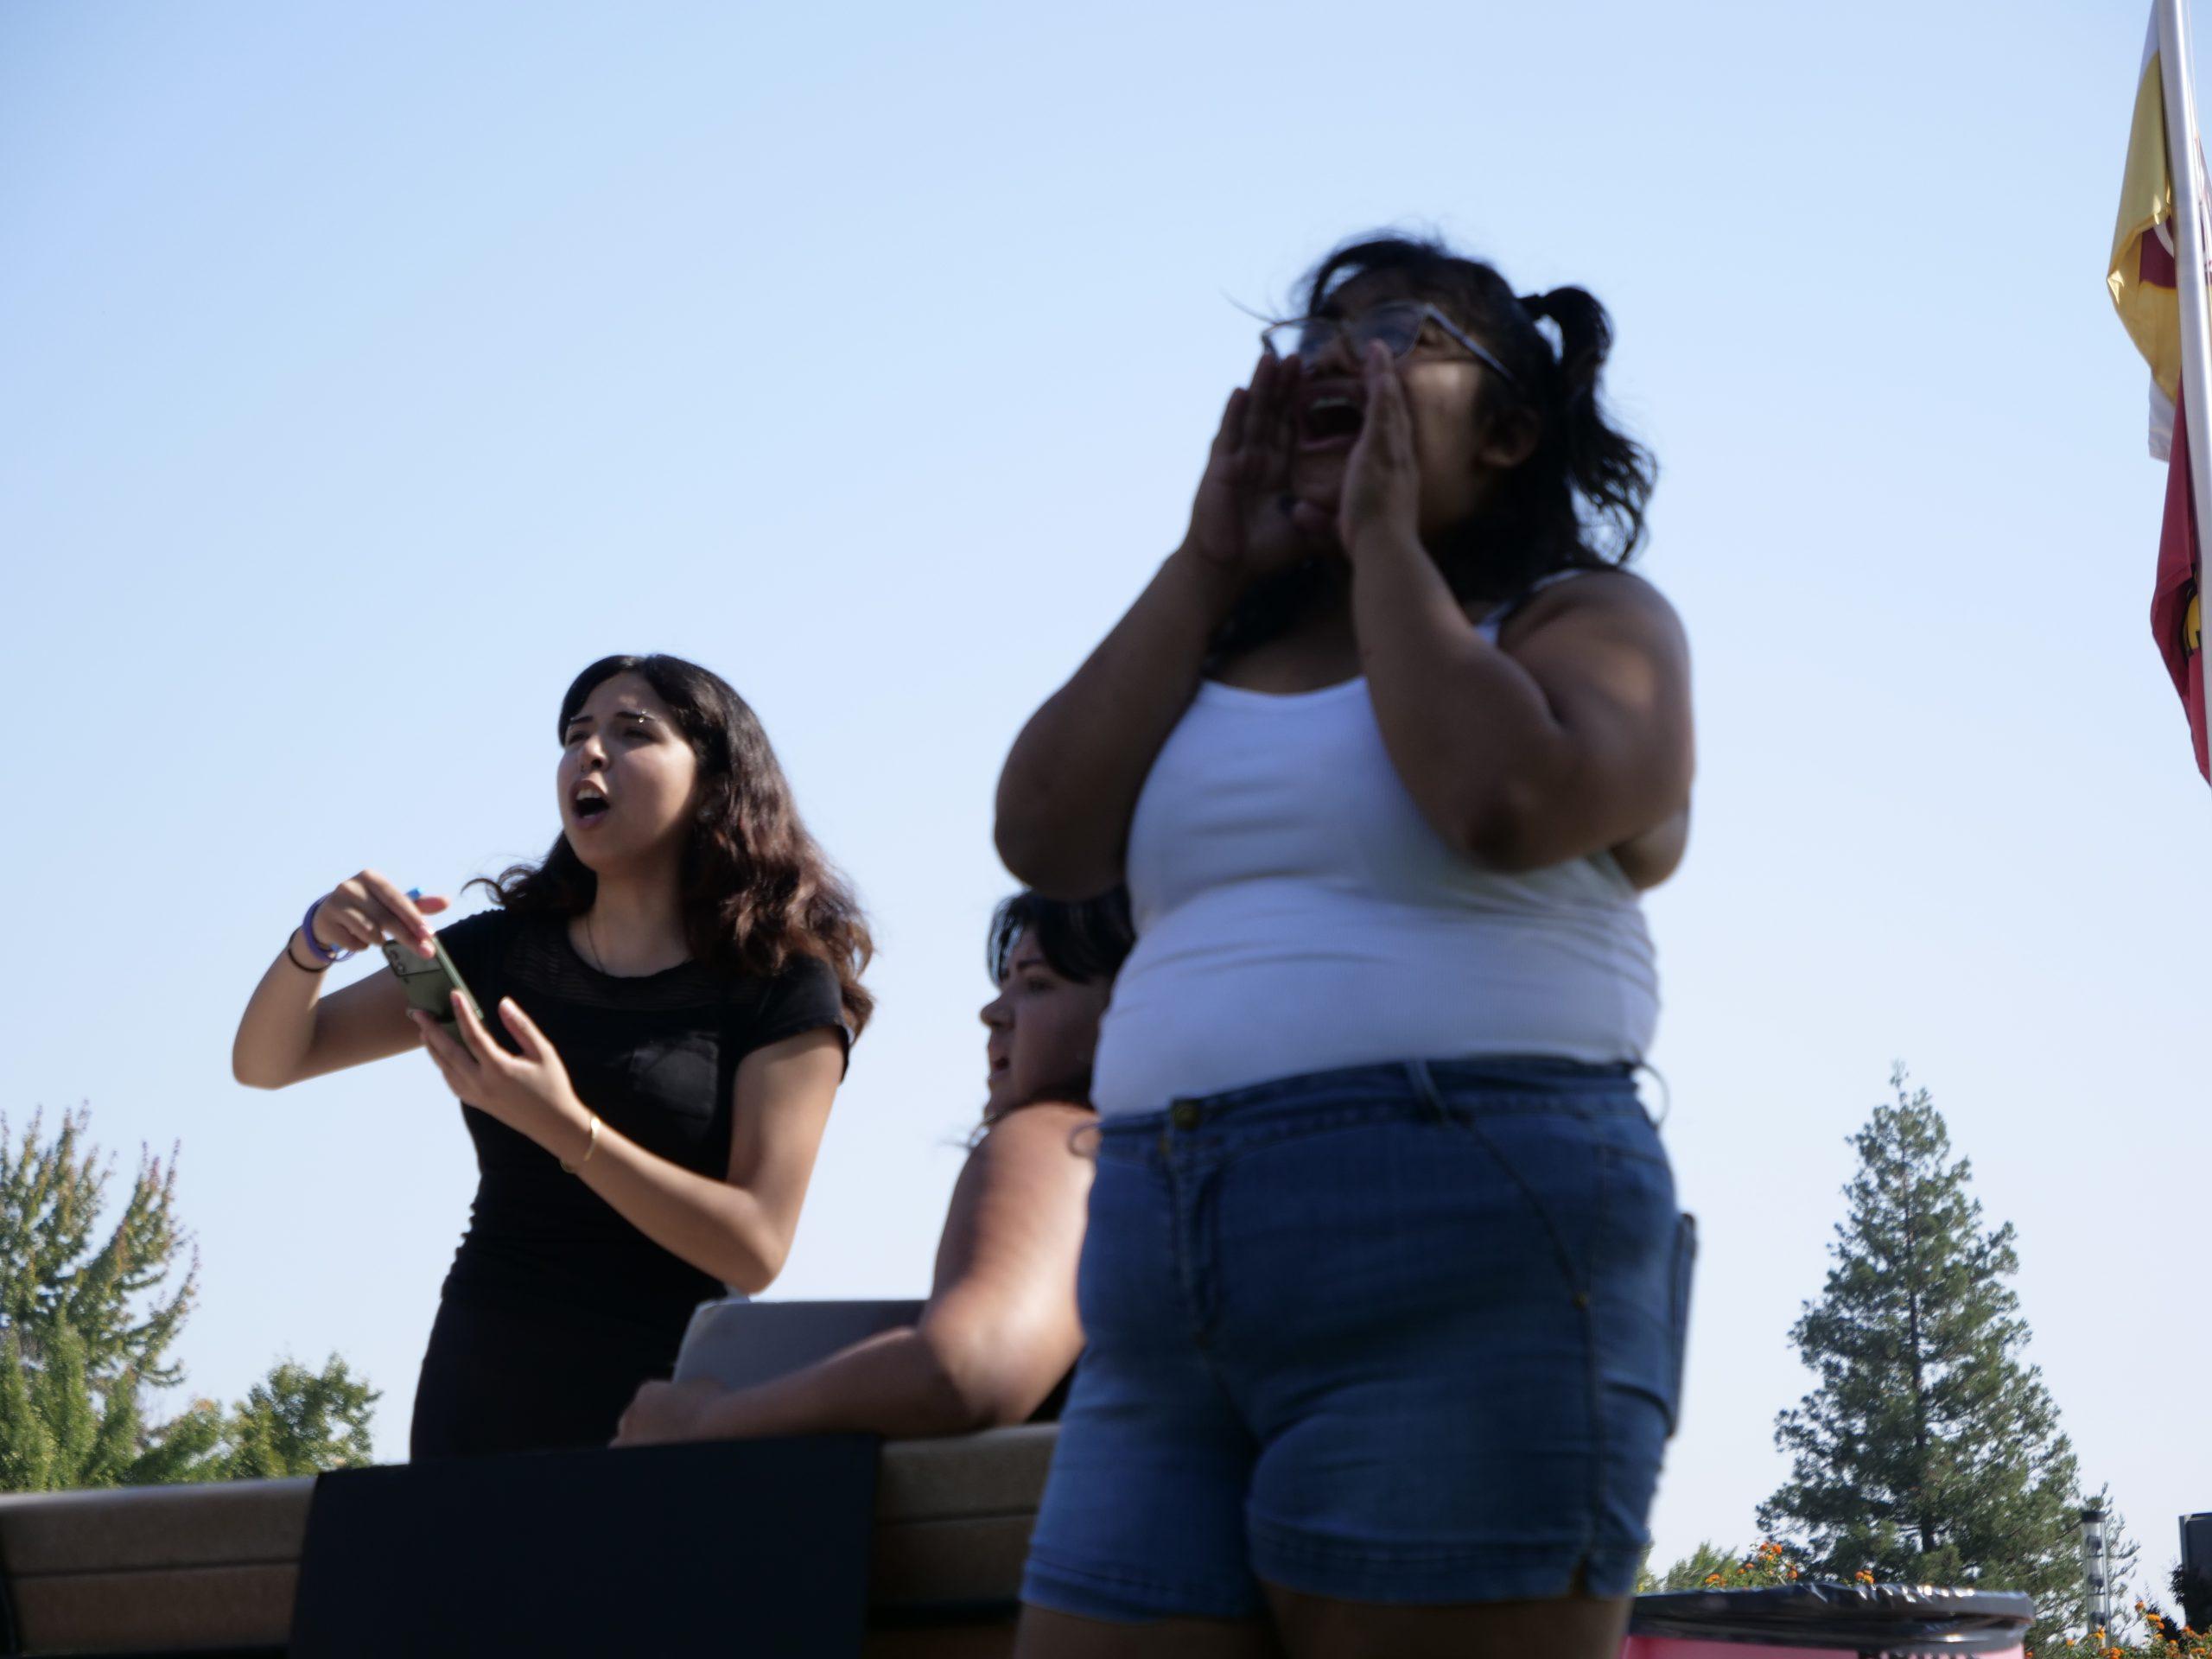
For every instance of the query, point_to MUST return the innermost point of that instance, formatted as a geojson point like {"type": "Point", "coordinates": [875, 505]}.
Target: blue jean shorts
{"type": "Point", "coordinates": [1400, 1333]}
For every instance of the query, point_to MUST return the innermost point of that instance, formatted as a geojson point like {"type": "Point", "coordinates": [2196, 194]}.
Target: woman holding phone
{"type": "Point", "coordinates": [668, 998]}
{"type": "Point", "coordinates": [1384, 1281]}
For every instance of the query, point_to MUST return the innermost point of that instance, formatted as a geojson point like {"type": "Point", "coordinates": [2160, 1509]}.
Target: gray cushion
{"type": "Point", "coordinates": [738, 1343]}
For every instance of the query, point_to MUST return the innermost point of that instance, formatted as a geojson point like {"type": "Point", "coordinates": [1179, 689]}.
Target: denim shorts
{"type": "Point", "coordinates": [1403, 1333]}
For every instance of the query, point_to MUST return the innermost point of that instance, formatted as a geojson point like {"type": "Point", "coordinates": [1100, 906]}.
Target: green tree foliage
{"type": "Point", "coordinates": [89, 1311]}
{"type": "Point", "coordinates": [1930, 1450]}
{"type": "Point", "coordinates": [296, 1421]}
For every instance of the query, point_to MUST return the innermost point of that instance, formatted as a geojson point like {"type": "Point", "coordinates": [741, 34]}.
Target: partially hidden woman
{"type": "Point", "coordinates": [999, 1332]}
{"type": "Point", "coordinates": [1384, 1283]}
{"type": "Point", "coordinates": [673, 988]}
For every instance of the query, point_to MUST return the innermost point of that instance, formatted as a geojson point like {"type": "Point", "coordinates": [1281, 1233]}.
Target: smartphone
{"type": "Point", "coordinates": [430, 981]}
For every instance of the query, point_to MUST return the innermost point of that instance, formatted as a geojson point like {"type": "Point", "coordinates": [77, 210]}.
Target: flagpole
{"type": "Point", "coordinates": [2181, 161]}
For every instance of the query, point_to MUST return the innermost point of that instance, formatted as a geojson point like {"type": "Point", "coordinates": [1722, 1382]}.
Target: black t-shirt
{"type": "Point", "coordinates": [656, 1057]}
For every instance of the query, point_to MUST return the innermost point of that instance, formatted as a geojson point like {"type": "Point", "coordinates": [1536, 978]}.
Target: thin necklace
{"type": "Point", "coordinates": [591, 944]}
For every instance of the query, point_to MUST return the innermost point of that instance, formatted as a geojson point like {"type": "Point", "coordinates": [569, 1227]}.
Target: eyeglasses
{"type": "Point", "coordinates": [1396, 323]}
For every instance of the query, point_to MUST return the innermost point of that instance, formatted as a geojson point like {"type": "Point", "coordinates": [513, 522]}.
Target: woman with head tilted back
{"type": "Point", "coordinates": [1384, 1281]}
{"type": "Point", "coordinates": [998, 1331]}
{"type": "Point", "coordinates": [671, 993]}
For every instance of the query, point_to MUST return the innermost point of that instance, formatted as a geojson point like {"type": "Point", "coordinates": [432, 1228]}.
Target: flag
{"type": "Point", "coordinates": [2144, 284]}
{"type": "Point", "coordinates": [2174, 620]}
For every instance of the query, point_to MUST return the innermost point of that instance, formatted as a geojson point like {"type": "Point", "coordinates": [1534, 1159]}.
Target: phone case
{"type": "Point", "coordinates": [430, 981]}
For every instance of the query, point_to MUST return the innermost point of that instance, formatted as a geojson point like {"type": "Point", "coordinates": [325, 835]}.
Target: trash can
{"type": "Point", "coordinates": [1791, 1620]}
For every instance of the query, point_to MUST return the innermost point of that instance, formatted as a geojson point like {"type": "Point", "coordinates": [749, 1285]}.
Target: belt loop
{"type": "Point", "coordinates": [1426, 1092]}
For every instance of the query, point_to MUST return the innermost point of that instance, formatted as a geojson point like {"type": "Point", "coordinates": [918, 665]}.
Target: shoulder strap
{"type": "Point", "coordinates": [1495, 623]}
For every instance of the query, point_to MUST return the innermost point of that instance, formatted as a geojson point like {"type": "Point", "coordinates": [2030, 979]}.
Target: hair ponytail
{"type": "Point", "coordinates": [1611, 473]}
{"type": "Point", "coordinates": [1585, 336]}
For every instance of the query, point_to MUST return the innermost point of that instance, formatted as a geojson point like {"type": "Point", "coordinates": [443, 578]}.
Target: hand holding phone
{"type": "Point", "coordinates": [430, 981]}
{"type": "Point", "coordinates": [367, 909]}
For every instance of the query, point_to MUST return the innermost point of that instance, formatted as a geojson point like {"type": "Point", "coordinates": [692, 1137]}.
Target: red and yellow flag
{"type": "Point", "coordinates": [2143, 281]}
{"type": "Point", "coordinates": [2142, 275]}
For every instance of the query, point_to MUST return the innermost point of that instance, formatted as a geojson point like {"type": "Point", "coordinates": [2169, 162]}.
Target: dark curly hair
{"type": "Point", "coordinates": [1577, 502]}
{"type": "Point", "coordinates": [757, 890]}
{"type": "Point", "coordinates": [1084, 940]}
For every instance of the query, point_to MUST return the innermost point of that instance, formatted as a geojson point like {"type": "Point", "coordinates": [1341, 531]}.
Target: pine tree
{"type": "Point", "coordinates": [1930, 1452]}
{"type": "Point", "coordinates": [87, 1316]}
{"type": "Point", "coordinates": [89, 1313]}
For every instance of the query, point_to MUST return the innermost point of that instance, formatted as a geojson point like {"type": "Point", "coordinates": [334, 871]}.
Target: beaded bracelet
{"type": "Point", "coordinates": [314, 945]}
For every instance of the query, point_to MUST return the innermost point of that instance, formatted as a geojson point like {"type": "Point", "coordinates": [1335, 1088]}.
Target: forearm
{"type": "Point", "coordinates": [276, 1033]}
{"type": "Point", "coordinates": [1071, 780]}
{"type": "Point", "coordinates": [718, 1228]}
{"type": "Point", "coordinates": [897, 1385]}
{"type": "Point", "coordinates": [1471, 733]}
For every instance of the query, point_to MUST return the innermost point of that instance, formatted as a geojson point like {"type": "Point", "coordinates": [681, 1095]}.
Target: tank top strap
{"type": "Point", "coordinates": [1493, 624]}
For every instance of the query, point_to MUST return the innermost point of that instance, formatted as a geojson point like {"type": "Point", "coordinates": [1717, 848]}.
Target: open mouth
{"type": "Point", "coordinates": [1331, 421]}
{"type": "Point", "coordinates": [591, 805]}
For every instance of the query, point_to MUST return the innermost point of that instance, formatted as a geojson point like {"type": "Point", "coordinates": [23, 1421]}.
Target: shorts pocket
{"type": "Point", "coordinates": [1678, 1314]}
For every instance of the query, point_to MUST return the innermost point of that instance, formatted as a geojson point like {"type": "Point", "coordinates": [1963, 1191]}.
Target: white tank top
{"type": "Point", "coordinates": [1296, 912]}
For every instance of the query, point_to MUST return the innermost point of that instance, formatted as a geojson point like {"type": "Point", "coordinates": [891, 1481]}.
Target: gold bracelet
{"type": "Point", "coordinates": [590, 1146]}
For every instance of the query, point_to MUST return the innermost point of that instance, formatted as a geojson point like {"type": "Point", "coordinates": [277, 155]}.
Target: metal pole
{"type": "Point", "coordinates": [2096, 1568]}
{"type": "Point", "coordinates": [2181, 160]}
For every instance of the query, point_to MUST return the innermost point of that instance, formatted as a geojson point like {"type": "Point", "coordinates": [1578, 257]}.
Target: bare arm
{"type": "Point", "coordinates": [1071, 782]}
{"type": "Point", "coordinates": [291, 1032]}
{"type": "Point", "coordinates": [1573, 741]}
{"type": "Point", "coordinates": [998, 1332]}
{"type": "Point", "coordinates": [739, 1228]}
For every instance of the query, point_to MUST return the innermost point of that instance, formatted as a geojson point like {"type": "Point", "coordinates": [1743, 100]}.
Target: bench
{"type": "Point", "coordinates": [213, 1568]}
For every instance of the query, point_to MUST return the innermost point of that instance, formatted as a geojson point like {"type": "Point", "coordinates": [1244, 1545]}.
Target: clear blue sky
{"type": "Point", "coordinates": [363, 372]}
